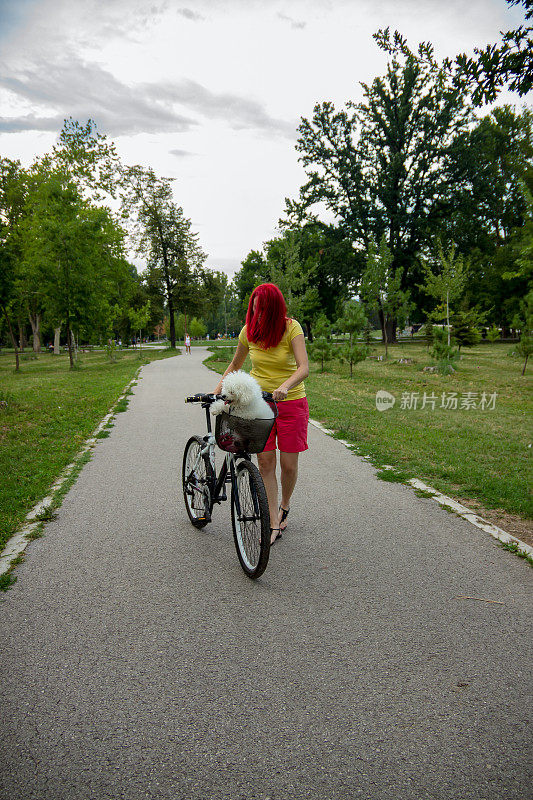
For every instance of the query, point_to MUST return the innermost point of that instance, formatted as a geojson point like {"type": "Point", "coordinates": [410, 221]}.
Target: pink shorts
{"type": "Point", "coordinates": [290, 427]}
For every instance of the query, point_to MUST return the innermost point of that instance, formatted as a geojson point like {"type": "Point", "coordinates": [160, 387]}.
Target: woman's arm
{"type": "Point", "coordinates": [238, 360]}
{"type": "Point", "coordinates": [302, 368]}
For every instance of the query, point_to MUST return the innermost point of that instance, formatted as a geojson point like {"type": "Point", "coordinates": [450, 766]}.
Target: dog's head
{"type": "Point", "coordinates": [240, 388]}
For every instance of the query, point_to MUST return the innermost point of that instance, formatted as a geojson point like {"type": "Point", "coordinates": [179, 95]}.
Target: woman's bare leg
{"type": "Point", "coordinates": [267, 468]}
{"type": "Point", "coordinates": [289, 474]}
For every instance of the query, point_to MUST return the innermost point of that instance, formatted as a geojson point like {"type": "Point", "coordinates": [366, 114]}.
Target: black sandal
{"type": "Point", "coordinates": [284, 515]}
{"type": "Point", "coordinates": [277, 537]}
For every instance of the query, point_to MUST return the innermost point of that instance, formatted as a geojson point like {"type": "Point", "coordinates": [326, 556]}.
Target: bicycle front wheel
{"type": "Point", "coordinates": [250, 518]}
{"type": "Point", "coordinates": [197, 479]}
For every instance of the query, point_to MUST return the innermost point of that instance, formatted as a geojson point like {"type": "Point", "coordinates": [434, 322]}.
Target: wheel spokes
{"type": "Point", "coordinates": [249, 520]}
{"type": "Point", "coordinates": [195, 481]}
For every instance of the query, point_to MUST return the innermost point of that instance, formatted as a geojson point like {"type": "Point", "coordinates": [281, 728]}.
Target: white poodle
{"type": "Point", "coordinates": [243, 398]}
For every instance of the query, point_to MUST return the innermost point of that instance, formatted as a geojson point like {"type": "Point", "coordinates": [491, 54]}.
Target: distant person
{"type": "Point", "coordinates": [187, 343]}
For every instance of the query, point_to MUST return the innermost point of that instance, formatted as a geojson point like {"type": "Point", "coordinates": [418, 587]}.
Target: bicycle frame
{"type": "Point", "coordinates": [202, 488]}
{"type": "Point", "coordinates": [218, 485]}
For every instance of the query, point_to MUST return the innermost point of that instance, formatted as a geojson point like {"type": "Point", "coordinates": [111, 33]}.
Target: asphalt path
{"type": "Point", "coordinates": [140, 662]}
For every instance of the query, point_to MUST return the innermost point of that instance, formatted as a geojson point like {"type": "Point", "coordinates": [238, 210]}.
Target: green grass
{"type": "Point", "coordinates": [483, 455]}
{"type": "Point", "coordinates": [46, 413]}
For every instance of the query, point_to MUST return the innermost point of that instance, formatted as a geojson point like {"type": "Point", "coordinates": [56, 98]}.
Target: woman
{"type": "Point", "coordinates": [279, 364]}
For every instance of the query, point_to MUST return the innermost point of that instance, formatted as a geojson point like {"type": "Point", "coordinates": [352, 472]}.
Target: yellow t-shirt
{"type": "Point", "coordinates": [272, 367]}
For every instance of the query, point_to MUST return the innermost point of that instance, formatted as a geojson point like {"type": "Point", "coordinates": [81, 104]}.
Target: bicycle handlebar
{"type": "Point", "coordinates": [210, 398]}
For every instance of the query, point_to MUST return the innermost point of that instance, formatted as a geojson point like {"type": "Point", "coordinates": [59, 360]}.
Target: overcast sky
{"type": "Point", "coordinates": [210, 92]}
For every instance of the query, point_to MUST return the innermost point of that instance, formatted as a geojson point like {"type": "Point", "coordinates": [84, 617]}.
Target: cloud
{"type": "Point", "coordinates": [84, 90]}
{"type": "Point", "coordinates": [239, 112]}
{"type": "Point", "coordinates": [181, 153]}
{"type": "Point", "coordinates": [81, 90]}
{"type": "Point", "coordinates": [299, 24]}
{"type": "Point", "coordinates": [188, 14]}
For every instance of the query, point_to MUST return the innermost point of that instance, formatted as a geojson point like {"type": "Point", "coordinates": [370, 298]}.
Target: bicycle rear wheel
{"type": "Point", "coordinates": [250, 519]}
{"type": "Point", "coordinates": [197, 479]}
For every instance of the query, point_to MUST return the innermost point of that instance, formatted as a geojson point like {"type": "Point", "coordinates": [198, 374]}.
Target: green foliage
{"type": "Point", "coordinates": [493, 334]}
{"type": "Point", "coordinates": [197, 328]}
{"type": "Point", "coordinates": [524, 322]}
{"type": "Point", "coordinates": [443, 353]}
{"type": "Point", "coordinates": [496, 66]}
{"type": "Point", "coordinates": [163, 236]}
{"type": "Point", "coordinates": [110, 348]}
{"type": "Point", "coordinates": [322, 327]}
{"type": "Point", "coordinates": [6, 581]}
{"type": "Point", "coordinates": [464, 328]}
{"type": "Point", "coordinates": [253, 271]}
{"type": "Point", "coordinates": [353, 319]}
{"type": "Point", "coordinates": [321, 350]}
{"type": "Point", "coordinates": [447, 284]}
{"type": "Point", "coordinates": [380, 287]}
{"type": "Point", "coordinates": [380, 166]}
{"type": "Point", "coordinates": [352, 354]}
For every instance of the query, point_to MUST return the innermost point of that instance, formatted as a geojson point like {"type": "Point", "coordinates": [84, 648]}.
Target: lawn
{"type": "Point", "coordinates": [470, 453]}
{"type": "Point", "coordinates": [46, 412]}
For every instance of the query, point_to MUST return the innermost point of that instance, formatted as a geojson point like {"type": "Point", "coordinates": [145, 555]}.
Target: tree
{"type": "Point", "coordinates": [163, 235]}
{"type": "Point", "coordinates": [87, 157]}
{"type": "Point", "coordinates": [353, 319]}
{"type": "Point", "coordinates": [353, 354]}
{"type": "Point", "coordinates": [139, 319]}
{"type": "Point", "coordinates": [12, 201]}
{"type": "Point", "coordinates": [321, 349]}
{"type": "Point", "coordinates": [524, 322]}
{"type": "Point", "coordinates": [508, 64]}
{"type": "Point", "coordinates": [253, 271]}
{"type": "Point", "coordinates": [381, 166]}
{"type": "Point", "coordinates": [73, 251]}
{"type": "Point", "coordinates": [197, 328]}
{"type": "Point", "coordinates": [380, 288]}
{"type": "Point", "coordinates": [493, 334]}
{"type": "Point", "coordinates": [448, 284]}
{"type": "Point", "coordinates": [443, 353]}
{"type": "Point", "coordinates": [464, 328]}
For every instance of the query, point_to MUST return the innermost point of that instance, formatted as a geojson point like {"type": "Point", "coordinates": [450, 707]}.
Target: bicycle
{"type": "Point", "coordinates": [202, 488]}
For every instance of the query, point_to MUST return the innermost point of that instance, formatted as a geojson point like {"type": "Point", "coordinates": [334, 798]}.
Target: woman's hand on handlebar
{"type": "Point", "coordinates": [280, 393]}
{"type": "Point", "coordinates": [218, 388]}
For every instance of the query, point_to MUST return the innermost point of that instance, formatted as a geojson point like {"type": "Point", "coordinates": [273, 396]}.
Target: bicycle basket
{"type": "Point", "coordinates": [238, 435]}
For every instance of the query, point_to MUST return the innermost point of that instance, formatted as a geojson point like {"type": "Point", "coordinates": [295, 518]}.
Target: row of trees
{"type": "Point", "coordinates": [432, 209]}
{"type": "Point", "coordinates": [413, 179]}
{"type": "Point", "coordinates": [67, 223]}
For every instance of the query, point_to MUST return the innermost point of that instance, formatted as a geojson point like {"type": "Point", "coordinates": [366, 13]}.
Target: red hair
{"type": "Point", "coordinates": [267, 326]}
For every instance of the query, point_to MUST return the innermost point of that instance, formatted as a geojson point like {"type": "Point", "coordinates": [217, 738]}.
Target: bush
{"type": "Point", "coordinates": [444, 354]}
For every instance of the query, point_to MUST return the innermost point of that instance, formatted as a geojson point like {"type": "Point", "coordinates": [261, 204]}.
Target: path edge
{"type": "Point", "coordinates": [17, 544]}
{"type": "Point", "coordinates": [448, 502]}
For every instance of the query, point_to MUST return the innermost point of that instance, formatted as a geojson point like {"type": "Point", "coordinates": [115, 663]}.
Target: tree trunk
{"type": "Point", "coordinates": [22, 337]}
{"type": "Point", "coordinates": [35, 322]}
{"type": "Point", "coordinates": [525, 362]}
{"type": "Point", "coordinates": [13, 340]}
{"type": "Point", "coordinates": [172, 321]}
{"type": "Point", "coordinates": [74, 345]}
{"type": "Point", "coordinates": [448, 316]}
{"type": "Point", "coordinates": [57, 332]}
{"type": "Point", "coordinates": [69, 342]}
{"type": "Point", "coordinates": [390, 333]}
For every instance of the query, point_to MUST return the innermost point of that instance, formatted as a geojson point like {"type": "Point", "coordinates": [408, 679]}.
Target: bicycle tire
{"type": "Point", "coordinates": [198, 508]}
{"type": "Point", "coordinates": [251, 528]}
